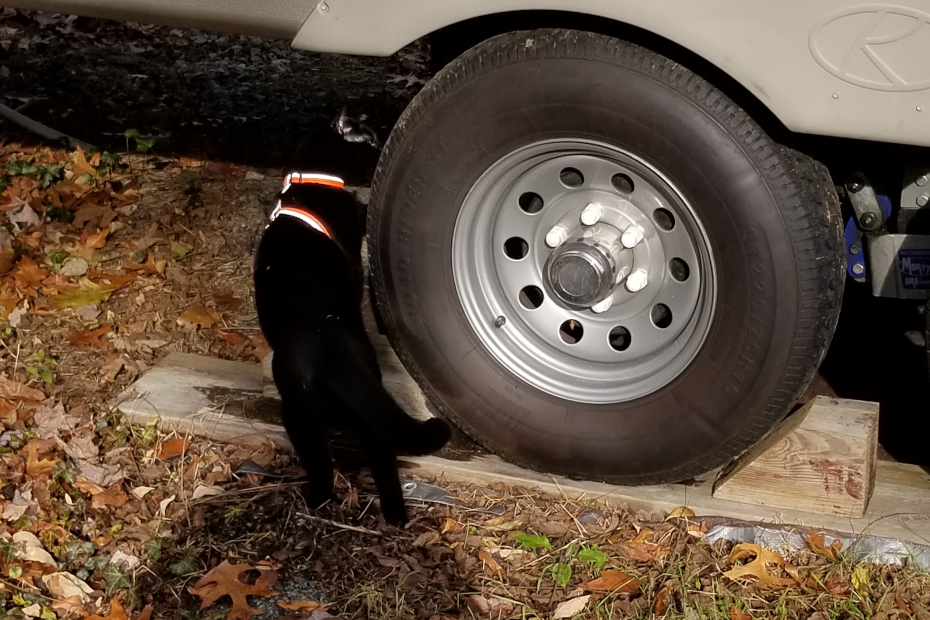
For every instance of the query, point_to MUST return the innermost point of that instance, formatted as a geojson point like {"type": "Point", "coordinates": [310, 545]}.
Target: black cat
{"type": "Point", "coordinates": [308, 288]}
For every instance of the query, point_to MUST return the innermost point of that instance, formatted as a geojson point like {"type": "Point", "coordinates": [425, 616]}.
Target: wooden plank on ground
{"type": "Point", "coordinates": [212, 399]}
{"type": "Point", "coordinates": [821, 460]}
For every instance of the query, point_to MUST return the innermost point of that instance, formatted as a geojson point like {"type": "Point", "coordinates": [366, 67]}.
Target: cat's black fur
{"type": "Point", "coordinates": [308, 291]}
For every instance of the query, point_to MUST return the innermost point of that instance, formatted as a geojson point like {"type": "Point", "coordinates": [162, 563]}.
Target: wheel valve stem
{"type": "Point", "coordinates": [499, 321]}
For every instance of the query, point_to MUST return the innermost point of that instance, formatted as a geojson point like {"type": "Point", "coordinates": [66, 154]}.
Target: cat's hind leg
{"type": "Point", "coordinates": [311, 444]}
{"type": "Point", "coordinates": [383, 464]}
{"type": "Point", "coordinates": [304, 418]}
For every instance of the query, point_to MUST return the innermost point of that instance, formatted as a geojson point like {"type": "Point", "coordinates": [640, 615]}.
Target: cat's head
{"type": "Point", "coordinates": [345, 147]}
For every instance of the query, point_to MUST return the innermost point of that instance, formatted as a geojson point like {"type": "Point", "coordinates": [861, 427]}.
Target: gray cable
{"type": "Point", "coordinates": [39, 128]}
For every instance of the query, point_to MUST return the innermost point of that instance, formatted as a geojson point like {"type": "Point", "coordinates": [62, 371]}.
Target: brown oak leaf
{"type": "Point", "coordinates": [614, 581]}
{"type": "Point", "coordinates": [758, 566]}
{"type": "Point", "coordinates": [92, 337]}
{"type": "Point", "coordinates": [200, 316]}
{"type": "Point", "coordinates": [28, 273]}
{"type": "Point", "coordinates": [173, 448]}
{"type": "Point", "coordinates": [815, 540]}
{"type": "Point", "coordinates": [224, 581]}
{"type": "Point", "coordinates": [14, 390]}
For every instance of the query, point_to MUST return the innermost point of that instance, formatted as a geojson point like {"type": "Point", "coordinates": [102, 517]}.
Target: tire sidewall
{"type": "Point", "coordinates": [465, 124]}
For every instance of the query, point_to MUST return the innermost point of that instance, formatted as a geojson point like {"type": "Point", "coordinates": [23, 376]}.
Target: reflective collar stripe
{"type": "Point", "coordinates": [313, 178]}
{"type": "Point", "coordinates": [303, 216]}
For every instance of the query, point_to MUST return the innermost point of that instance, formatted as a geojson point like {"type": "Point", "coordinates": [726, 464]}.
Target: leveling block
{"type": "Point", "coordinates": [224, 401]}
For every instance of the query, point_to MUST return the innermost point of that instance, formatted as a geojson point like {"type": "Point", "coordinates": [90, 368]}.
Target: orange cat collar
{"type": "Point", "coordinates": [313, 178]}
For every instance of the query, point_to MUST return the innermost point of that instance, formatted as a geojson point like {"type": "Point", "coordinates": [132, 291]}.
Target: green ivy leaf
{"type": "Point", "coordinates": [532, 541]}
{"type": "Point", "coordinates": [49, 176]}
{"type": "Point", "coordinates": [47, 376]}
{"type": "Point", "coordinates": [63, 473]}
{"type": "Point", "coordinates": [56, 258]}
{"type": "Point", "coordinates": [561, 573]}
{"type": "Point", "coordinates": [592, 555]}
{"type": "Point", "coordinates": [115, 578]}
{"type": "Point", "coordinates": [48, 614]}
{"type": "Point", "coordinates": [184, 566]}
{"type": "Point", "coordinates": [153, 549]}
{"type": "Point", "coordinates": [15, 167]}
{"type": "Point", "coordinates": [111, 160]}
{"type": "Point", "coordinates": [143, 143]}
{"type": "Point", "coordinates": [7, 550]}
{"type": "Point", "coordinates": [179, 250]}
{"type": "Point", "coordinates": [16, 571]}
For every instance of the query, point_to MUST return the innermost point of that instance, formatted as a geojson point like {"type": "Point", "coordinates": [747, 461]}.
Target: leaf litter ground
{"type": "Point", "coordinates": [97, 514]}
{"type": "Point", "coordinates": [107, 263]}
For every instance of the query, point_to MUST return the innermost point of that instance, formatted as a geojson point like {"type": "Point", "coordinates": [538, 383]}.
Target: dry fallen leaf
{"type": "Point", "coordinates": [224, 581]}
{"type": "Point", "coordinates": [491, 567]}
{"type": "Point", "coordinates": [301, 605]}
{"type": "Point", "coordinates": [681, 512]}
{"type": "Point", "coordinates": [571, 607]}
{"type": "Point", "coordinates": [34, 466]}
{"type": "Point", "coordinates": [225, 297]}
{"type": "Point", "coordinates": [99, 216]}
{"type": "Point", "coordinates": [117, 612]}
{"type": "Point", "coordinates": [664, 597]}
{"type": "Point", "coordinates": [14, 390]}
{"type": "Point", "coordinates": [80, 165]}
{"type": "Point", "coordinates": [613, 581]}
{"type": "Point", "coordinates": [150, 265]}
{"type": "Point", "coordinates": [199, 315]}
{"type": "Point", "coordinates": [66, 585]}
{"type": "Point", "coordinates": [815, 540]}
{"type": "Point", "coordinates": [86, 486]}
{"type": "Point", "coordinates": [736, 614]}
{"type": "Point", "coordinates": [173, 448]}
{"type": "Point", "coordinates": [28, 273]}
{"type": "Point", "coordinates": [757, 567]}
{"type": "Point", "coordinates": [641, 552]}
{"type": "Point", "coordinates": [233, 338]}
{"type": "Point", "coordinates": [84, 293]}
{"type": "Point", "coordinates": [96, 240]}
{"type": "Point", "coordinates": [8, 301]}
{"type": "Point", "coordinates": [92, 337]}
{"type": "Point", "coordinates": [112, 498]}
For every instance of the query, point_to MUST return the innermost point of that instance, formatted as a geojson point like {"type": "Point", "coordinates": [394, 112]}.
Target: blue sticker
{"type": "Point", "coordinates": [914, 266]}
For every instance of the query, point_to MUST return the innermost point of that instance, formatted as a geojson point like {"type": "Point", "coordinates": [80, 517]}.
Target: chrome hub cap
{"type": "Point", "coordinates": [584, 271]}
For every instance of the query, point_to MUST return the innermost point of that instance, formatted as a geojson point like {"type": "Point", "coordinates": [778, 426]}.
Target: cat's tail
{"type": "Point", "coordinates": [431, 435]}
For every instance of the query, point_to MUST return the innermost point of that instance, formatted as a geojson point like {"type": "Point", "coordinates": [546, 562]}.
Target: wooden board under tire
{"type": "Point", "coordinates": [821, 459]}
{"type": "Point", "coordinates": [223, 401]}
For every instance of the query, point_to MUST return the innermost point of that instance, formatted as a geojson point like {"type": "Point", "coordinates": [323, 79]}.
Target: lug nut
{"type": "Point", "coordinates": [637, 281]}
{"type": "Point", "coordinates": [592, 214]}
{"type": "Point", "coordinates": [622, 272]}
{"type": "Point", "coordinates": [632, 236]}
{"type": "Point", "coordinates": [556, 236]}
{"type": "Point", "coordinates": [603, 305]}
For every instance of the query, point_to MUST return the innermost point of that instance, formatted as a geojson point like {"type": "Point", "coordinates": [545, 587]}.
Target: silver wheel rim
{"type": "Point", "coordinates": [528, 298]}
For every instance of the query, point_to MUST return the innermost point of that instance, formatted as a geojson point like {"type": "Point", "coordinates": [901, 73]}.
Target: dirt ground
{"type": "Point", "coordinates": [111, 258]}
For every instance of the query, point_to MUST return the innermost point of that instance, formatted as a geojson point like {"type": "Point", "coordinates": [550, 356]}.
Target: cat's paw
{"type": "Point", "coordinates": [394, 514]}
